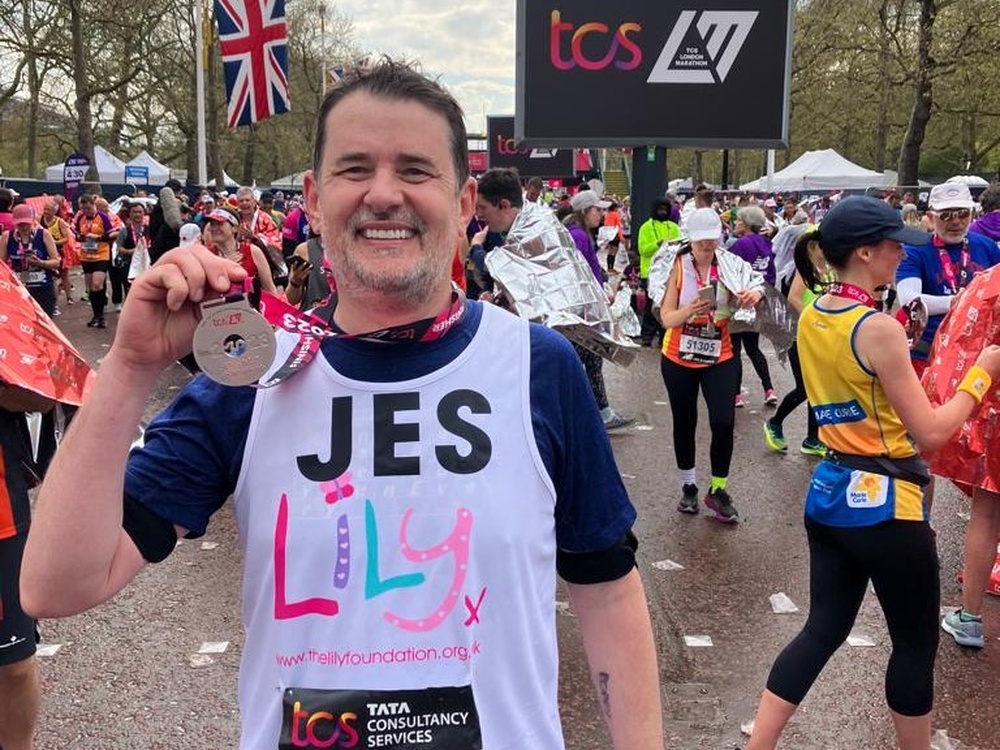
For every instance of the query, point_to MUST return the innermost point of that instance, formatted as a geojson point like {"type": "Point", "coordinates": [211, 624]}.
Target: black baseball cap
{"type": "Point", "coordinates": [862, 220]}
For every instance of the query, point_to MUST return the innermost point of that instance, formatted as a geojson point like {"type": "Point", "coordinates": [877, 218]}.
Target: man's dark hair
{"type": "Point", "coordinates": [6, 199]}
{"type": "Point", "coordinates": [537, 182]}
{"type": "Point", "coordinates": [990, 198]}
{"type": "Point", "coordinates": [499, 183]}
{"type": "Point", "coordinates": [704, 196]}
{"type": "Point", "coordinates": [393, 79]}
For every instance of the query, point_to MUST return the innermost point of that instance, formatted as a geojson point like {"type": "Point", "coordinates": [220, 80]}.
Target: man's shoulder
{"type": "Point", "coordinates": [982, 244]}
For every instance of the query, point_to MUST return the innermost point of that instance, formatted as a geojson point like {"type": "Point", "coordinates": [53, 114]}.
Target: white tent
{"type": "Point", "coordinates": [818, 170]}
{"type": "Point", "coordinates": [289, 182]}
{"type": "Point", "coordinates": [109, 168]}
{"type": "Point", "coordinates": [229, 181]}
{"type": "Point", "coordinates": [158, 173]}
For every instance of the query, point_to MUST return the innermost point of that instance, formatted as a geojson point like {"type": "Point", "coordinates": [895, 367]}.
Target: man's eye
{"type": "Point", "coordinates": [354, 171]}
{"type": "Point", "coordinates": [415, 174]}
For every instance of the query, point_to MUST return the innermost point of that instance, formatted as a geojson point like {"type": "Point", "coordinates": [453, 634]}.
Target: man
{"type": "Point", "coordinates": [533, 190]}
{"type": "Point", "coordinates": [498, 202]}
{"type": "Point", "coordinates": [937, 272]}
{"type": "Point", "coordinates": [453, 474]}
{"type": "Point", "coordinates": [656, 230]}
{"type": "Point", "coordinates": [266, 202]}
{"type": "Point", "coordinates": [258, 228]}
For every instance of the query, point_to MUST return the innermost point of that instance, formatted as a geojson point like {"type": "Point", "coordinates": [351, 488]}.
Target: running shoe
{"type": "Point", "coordinates": [813, 448]}
{"type": "Point", "coordinates": [770, 397]}
{"type": "Point", "coordinates": [101, 323]}
{"type": "Point", "coordinates": [739, 400]}
{"type": "Point", "coordinates": [689, 499]}
{"type": "Point", "coordinates": [92, 323]}
{"type": "Point", "coordinates": [56, 311]}
{"type": "Point", "coordinates": [617, 421]}
{"type": "Point", "coordinates": [719, 502]}
{"type": "Point", "coordinates": [774, 437]}
{"type": "Point", "coordinates": [966, 632]}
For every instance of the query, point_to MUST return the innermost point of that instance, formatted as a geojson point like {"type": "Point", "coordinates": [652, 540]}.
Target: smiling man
{"type": "Point", "coordinates": [937, 272]}
{"type": "Point", "coordinates": [404, 501]}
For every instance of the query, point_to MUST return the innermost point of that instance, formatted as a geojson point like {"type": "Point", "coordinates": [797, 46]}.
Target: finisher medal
{"type": "Point", "coordinates": [233, 344]}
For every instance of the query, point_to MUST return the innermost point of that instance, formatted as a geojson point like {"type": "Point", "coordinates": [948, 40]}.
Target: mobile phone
{"type": "Point", "coordinates": [707, 293]}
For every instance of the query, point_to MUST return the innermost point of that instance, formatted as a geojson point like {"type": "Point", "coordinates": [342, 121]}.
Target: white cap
{"type": "Point", "coordinates": [950, 195]}
{"type": "Point", "coordinates": [703, 224]}
{"type": "Point", "coordinates": [190, 234]}
{"type": "Point", "coordinates": [587, 199]}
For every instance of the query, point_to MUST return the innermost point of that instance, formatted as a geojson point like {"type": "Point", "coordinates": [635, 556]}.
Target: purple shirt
{"type": "Point", "coordinates": [755, 249]}
{"type": "Point", "coordinates": [585, 244]}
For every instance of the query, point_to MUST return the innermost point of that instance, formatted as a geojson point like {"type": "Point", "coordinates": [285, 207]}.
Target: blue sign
{"type": "Point", "coordinates": [136, 174]}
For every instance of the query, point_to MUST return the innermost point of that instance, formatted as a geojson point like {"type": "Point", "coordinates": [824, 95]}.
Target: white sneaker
{"type": "Point", "coordinates": [116, 308]}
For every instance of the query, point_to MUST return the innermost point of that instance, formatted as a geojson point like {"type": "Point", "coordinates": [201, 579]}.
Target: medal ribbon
{"type": "Point", "coordinates": [964, 275]}
{"type": "Point", "coordinates": [851, 292]}
{"type": "Point", "coordinates": [314, 326]}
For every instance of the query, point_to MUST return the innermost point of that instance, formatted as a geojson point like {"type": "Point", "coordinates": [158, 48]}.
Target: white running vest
{"type": "Point", "coordinates": [401, 536]}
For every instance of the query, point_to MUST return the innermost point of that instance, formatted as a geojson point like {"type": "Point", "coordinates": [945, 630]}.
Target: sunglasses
{"type": "Point", "coordinates": [954, 213]}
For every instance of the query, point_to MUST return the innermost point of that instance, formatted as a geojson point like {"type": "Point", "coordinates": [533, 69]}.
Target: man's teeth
{"type": "Point", "coordinates": [387, 234]}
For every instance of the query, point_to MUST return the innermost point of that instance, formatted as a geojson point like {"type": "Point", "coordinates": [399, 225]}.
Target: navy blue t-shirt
{"type": "Point", "coordinates": [193, 450]}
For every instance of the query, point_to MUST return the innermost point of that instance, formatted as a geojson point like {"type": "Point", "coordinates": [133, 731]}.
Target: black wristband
{"type": "Point", "coordinates": [598, 567]}
{"type": "Point", "coordinates": [154, 536]}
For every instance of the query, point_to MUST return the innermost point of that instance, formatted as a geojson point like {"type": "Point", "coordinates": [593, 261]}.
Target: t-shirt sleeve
{"type": "Point", "coordinates": [592, 510]}
{"type": "Point", "coordinates": [192, 454]}
{"type": "Point", "coordinates": [911, 266]}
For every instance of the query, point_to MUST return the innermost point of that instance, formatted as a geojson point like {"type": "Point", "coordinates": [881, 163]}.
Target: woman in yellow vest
{"type": "Point", "coordinates": [864, 512]}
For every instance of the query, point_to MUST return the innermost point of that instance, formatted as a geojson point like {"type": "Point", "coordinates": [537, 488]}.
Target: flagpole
{"type": "Point", "coordinates": [322, 39]}
{"type": "Point", "coordinates": [199, 51]}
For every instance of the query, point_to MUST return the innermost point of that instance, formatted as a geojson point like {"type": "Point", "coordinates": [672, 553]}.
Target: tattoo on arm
{"type": "Point", "coordinates": [603, 678]}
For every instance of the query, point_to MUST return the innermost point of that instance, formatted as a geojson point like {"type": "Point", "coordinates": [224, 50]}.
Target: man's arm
{"type": "Point", "coordinates": [618, 639]}
{"type": "Point", "coordinates": [77, 554]}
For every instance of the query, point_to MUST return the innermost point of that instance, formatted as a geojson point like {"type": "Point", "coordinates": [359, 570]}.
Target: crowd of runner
{"type": "Point", "coordinates": [721, 259]}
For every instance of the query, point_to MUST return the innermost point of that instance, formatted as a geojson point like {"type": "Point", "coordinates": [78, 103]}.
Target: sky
{"type": "Point", "coordinates": [469, 44]}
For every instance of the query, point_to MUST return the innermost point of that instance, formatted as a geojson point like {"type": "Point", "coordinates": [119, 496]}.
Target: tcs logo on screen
{"type": "Point", "coordinates": [630, 56]}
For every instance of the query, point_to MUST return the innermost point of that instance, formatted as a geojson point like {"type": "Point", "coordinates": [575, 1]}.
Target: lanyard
{"type": "Point", "coordinates": [851, 292]}
{"type": "Point", "coordinates": [964, 275]}
{"type": "Point", "coordinates": [713, 273]}
{"type": "Point", "coordinates": [315, 325]}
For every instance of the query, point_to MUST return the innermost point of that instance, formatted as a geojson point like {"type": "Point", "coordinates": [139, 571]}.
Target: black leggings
{"type": "Point", "coordinates": [719, 385]}
{"type": "Point", "coordinates": [793, 399]}
{"type": "Point", "coordinates": [900, 558]}
{"type": "Point", "coordinates": [751, 341]}
{"type": "Point", "coordinates": [594, 366]}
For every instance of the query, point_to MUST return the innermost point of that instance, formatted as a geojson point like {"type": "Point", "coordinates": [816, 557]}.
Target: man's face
{"type": "Point", "coordinates": [385, 201]}
{"type": "Point", "coordinates": [247, 203]}
{"type": "Point", "coordinates": [89, 209]}
{"type": "Point", "coordinates": [952, 224]}
{"type": "Point", "coordinates": [267, 204]}
{"type": "Point", "coordinates": [48, 212]}
{"type": "Point", "coordinates": [498, 218]}
{"type": "Point", "coordinates": [532, 192]}
{"type": "Point", "coordinates": [663, 213]}
{"type": "Point", "coordinates": [790, 208]}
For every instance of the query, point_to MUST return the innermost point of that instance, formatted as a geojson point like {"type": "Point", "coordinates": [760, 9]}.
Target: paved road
{"type": "Point", "coordinates": [129, 675]}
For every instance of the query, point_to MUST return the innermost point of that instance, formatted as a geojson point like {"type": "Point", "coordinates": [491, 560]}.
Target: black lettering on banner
{"type": "Point", "coordinates": [388, 433]}
{"type": "Point", "coordinates": [341, 424]}
{"type": "Point", "coordinates": [480, 446]}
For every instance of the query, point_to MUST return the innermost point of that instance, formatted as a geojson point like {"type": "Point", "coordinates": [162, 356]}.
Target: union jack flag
{"type": "Point", "coordinates": [254, 44]}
